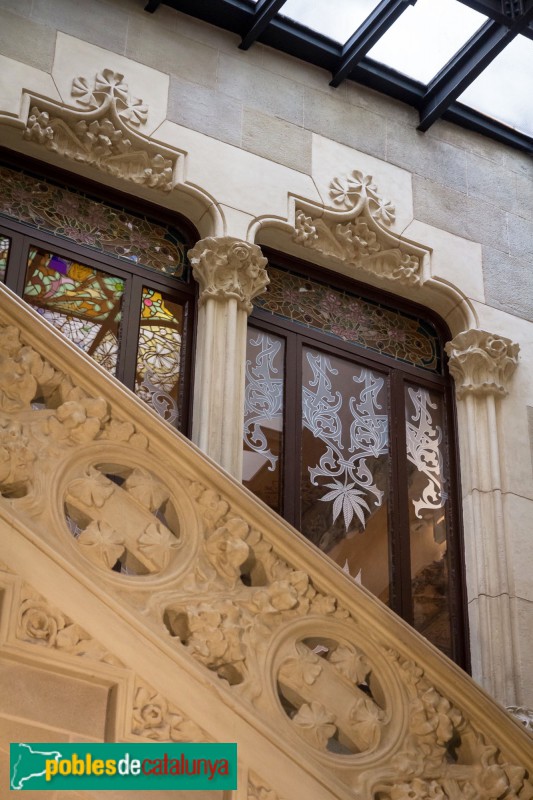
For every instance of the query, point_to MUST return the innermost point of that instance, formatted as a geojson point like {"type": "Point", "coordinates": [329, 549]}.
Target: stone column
{"type": "Point", "coordinates": [230, 273]}
{"type": "Point", "coordinates": [482, 364]}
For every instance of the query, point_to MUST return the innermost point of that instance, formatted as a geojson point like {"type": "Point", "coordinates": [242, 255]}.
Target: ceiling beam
{"type": "Point", "coordinates": [467, 64]}
{"type": "Point", "coordinates": [366, 36]}
{"type": "Point", "coordinates": [265, 12]}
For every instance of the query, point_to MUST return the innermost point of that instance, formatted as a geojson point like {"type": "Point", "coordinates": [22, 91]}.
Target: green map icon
{"type": "Point", "coordinates": [28, 763]}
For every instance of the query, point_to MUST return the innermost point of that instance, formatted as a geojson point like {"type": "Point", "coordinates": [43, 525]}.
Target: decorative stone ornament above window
{"type": "Point", "coordinates": [356, 234]}
{"type": "Point", "coordinates": [100, 131]}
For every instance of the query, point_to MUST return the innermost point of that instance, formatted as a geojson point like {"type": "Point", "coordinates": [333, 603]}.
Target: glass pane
{"type": "Point", "coordinates": [426, 36]}
{"type": "Point", "coordinates": [157, 378]}
{"type": "Point", "coordinates": [428, 515]}
{"type": "Point", "coordinates": [263, 416]}
{"type": "Point", "coordinates": [352, 319]}
{"type": "Point", "coordinates": [82, 302]}
{"type": "Point", "coordinates": [345, 467]}
{"type": "Point", "coordinates": [4, 252]}
{"type": "Point", "coordinates": [336, 19]}
{"type": "Point", "coordinates": [503, 90]}
{"type": "Point", "coordinates": [72, 215]}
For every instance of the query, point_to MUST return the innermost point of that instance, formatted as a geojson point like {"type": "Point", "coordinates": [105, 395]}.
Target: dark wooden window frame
{"type": "Point", "coordinates": [296, 335]}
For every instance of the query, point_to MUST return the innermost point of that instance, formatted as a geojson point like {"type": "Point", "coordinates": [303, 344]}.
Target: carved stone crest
{"type": "Point", "coordinates": [357, 234]}
{"type": "Point", "coordinates": [100, 131]}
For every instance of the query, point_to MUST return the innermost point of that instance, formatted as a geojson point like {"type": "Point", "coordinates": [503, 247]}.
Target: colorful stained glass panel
{"type": "Point", "coordinates": [82, 302]}
{"type": "Point", "coordinates": [74, 216]}
{"type": "Point", "coordinates": [157, 379]}
{"type": "Point", "coordinates": [350, 318]}
{"type": "Point", "coordinates": [4, 253]}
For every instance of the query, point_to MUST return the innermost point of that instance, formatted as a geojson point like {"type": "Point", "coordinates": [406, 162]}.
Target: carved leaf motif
{"type": "Point", "coordinates": [83, 93]}
{"type": "Point", "coordinates": [227, 550]}
{"type": "Point", "coordinates": [418, 790]}
{"type": "Point", "coordinates": [17, 385]}
{"type": "Point", "coordinates": [258, 789]}
{"type": "Point", "coordinates": [149, 492]}
{"type": "Point", "coordinates": [101, 544]}
{"type": "Point", "coordinates": [158, 544]}
{"type": "Point", "coordinates": [365, 717]}
{"type": "Point", "coordinates": [350, 663]}
{"type": "Point", "coordinates": [93, 490]}
{"type": "Point", "coordinates": [314, 720]}
{"type": "Point", "coordinates": [17, 455]}
{"type": "Point", "coordinates": [302, 670]}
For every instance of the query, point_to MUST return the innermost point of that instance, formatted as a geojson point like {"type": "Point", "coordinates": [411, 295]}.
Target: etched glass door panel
{"type": "Point", "coordinates": [345, 466]}
{"type": "Point", "coordinates": [263, 416]}
{"type": "Point", "coordinates": [82, 302]}
{"type": "Point", "coordinates": [158, 367]}
{"type": "Point", "coordinates": [428, 497]}
{"type": "Point", "coordinates": [4, 253]}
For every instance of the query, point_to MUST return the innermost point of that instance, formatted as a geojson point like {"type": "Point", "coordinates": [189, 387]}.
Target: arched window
{"type": "Point", "coordinates": [114, 281]}
{"type": "Point", "coordinates": [349, 435]}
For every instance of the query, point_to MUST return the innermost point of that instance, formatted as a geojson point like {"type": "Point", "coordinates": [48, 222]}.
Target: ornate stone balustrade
{"type": "Point", "coordinates": [224, 611]}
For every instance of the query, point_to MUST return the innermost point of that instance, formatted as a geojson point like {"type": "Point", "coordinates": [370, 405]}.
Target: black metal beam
{"type": "Point", "coordinates": [288, 36]}
{"type": "Point", "coordinates": [152, 5]}
{"type": "Point", "coordinates": [467, 64]}
{"type": "Point", "coordinates": [265, 12]}
{"type": "Point", "coordinates": [366, 36]}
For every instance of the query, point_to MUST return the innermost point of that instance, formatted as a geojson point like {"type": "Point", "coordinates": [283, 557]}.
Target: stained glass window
{"type": "Point", "coordinates": [263, 417]}
{"type": "Point", "coordinates": [157, 379]}
{"type": "Point", "coordinates": [104, 228]}
{"type": "Point", "coordinates": [346, 434]}
{"type": "Point", "coordinates": [83, 303]}
{"type": "Point", "coordinates": [4, 253]}
{"type": "Point", "coordinates": [351, 318]}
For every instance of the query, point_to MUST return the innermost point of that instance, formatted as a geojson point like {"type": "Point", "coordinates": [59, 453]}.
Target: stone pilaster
{"type": "Point", "coordinates": [230, 274]}
{"type": "Point", "coordinates": [482, 365]}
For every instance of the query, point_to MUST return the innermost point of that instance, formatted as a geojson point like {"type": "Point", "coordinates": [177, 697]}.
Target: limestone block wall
{"type": "Point", "coordinates": [255, 136]}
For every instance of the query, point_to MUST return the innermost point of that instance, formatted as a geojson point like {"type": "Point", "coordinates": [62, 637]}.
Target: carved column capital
{"type": "Point", "coordinates": [481, 363]}
{"type": "Point", "coordinates": [228, 268]}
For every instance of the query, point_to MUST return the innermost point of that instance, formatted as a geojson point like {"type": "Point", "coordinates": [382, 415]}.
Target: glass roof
{"type": "Point", "coordinates": [504, 90]}
{"type": "Point", "coordinates": [402, 50]}
{"type": "Point", "coordinates": [426, 36]}
{"type": "Point", "coordinates": [336, 19]}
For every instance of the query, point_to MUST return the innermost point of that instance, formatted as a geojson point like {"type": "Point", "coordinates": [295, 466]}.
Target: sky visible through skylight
{"type": "Point", "coordinates": [422, 41]}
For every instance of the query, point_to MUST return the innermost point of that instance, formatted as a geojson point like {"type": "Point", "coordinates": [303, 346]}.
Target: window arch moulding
{"type": "Point", "coordinates": [102, 131]}
{"type": "Point", "coordinates": [352, 233]}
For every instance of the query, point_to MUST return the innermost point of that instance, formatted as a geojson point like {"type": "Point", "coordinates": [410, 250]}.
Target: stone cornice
{"type": "Point", "coordinates": [481, 363]}
{"type": "Point", "coordinates": [227, 268]}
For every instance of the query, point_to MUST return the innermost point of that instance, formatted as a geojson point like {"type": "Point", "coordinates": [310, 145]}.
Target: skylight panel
{"type": "Point", "coordinates": [504, 88]}
{"type": "Point", "coordinates": [336, 19]}
{"type": "Point", "coordinates": [426, 36]}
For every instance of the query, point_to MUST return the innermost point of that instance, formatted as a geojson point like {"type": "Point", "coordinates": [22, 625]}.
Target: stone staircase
{"type": "Point", "coordinates": [133, 563]}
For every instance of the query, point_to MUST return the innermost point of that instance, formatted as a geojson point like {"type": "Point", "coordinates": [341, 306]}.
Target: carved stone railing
{"type": "Point", "coordinates": [323, 687]}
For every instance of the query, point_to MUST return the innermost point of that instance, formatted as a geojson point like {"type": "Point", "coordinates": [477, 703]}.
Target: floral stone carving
{"type": "Point", "coordinates": [100, 132]}
{"type": "Point", "coordinates": [226, 268]}
{"type": "Point", "coordinates": [356, 235]}
{"type": "Point", "coordinates": [153, 718]}
{"type": "Point", "coordinates": [481, 362]}
{"type": "Point", "coordinates": [41, 624]}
